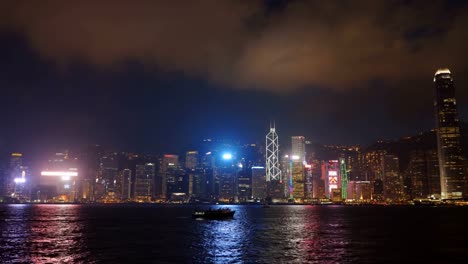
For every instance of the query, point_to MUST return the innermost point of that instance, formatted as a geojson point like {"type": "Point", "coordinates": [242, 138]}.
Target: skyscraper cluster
{"type": "Point", "coordinates": [430, 165]}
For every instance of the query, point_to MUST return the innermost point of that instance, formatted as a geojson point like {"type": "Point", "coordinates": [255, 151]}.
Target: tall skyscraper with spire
{"type": "Point", "coordinates": [273, 171]}
{"type": "Point", "coordinates": [451, 161]}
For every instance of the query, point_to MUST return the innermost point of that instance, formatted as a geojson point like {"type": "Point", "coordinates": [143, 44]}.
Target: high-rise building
{"type": "Point", "coordinates": [60, 175]}
{"type": "Point", "coordinates": [14, 172]}
{"type": "Point", "coordinates": [298, 179]}
{"type": "Point", "coordinates": [286, 175]}
{"type": "Point", "coordinates": [308, 182]}
{"type": "Point", "coordinates": [331, 175]}
{"type": "Point", "coordinates": [125, 184]}
{"type": "Point", "coordinates": [359, 191]}
{"type": "Point", "coordinates": [144, 178]}
{"type": "Point", "coordinates": [259, 183]}
{"type": "Point", "coordinates": [433, 173]}
{"type": "Point", "coordinates": [392, 181]}
{"type": "Point", "coordinates": [418, 176]}
{"type": "Point", "coordinates": [273, 172]}
{"type": "Point", "coordinates": [168, 165]}
{"type": "Point", "coordinates": [344, 179]}
{"type": "Point", "coordinates": [298, 147]}
{"type": "Point", "coordinates": [378, 190]}
{"type": "Point", "coordinates": [451, 162]}
{"type": "Point", "coordinates": [244, 185]}
{"type": "Point", "coordinates": [372, 165]}
{"type": "Point", "coordinates": [318, 183]}
{"type": "Point", "coordinates": [198, 186]}
{"type": "Point", "coordinates": [226, 178]}
{"type": "Point", "coordinates": [191, 159]}
{"type": "Point", "coordinates": [107, 178]}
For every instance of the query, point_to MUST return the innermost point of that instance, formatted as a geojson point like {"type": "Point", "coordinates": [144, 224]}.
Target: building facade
{"type": "Point", "coordinates": [451, 161]}
{"type": "Point", "coordinates": [144, 178]}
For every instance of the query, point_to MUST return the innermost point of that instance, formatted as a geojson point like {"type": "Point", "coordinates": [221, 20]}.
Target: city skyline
{"type": "Point", "coordinates": [233, 131]}
{"type": "Point", "coordinates": [230, 171]}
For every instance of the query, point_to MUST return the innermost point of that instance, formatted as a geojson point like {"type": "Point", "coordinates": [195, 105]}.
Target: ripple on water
{"type": "Point", "coordinates": [285, 234]}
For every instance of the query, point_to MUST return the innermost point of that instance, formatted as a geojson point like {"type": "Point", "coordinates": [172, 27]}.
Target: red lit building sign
{"type": "Point", "coordinates": [331, 173]}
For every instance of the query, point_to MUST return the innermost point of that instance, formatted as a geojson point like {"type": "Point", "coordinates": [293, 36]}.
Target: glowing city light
{"type": "Point", "coordinates": [59, 173]}
{"type": "Point", "coordinates": [65, 178]}
{"type": "Point", "coordinates": [295, 157]}
{"type": "Point", "coordinates": [227, 156]}
{"type": "Point", "coordinates": [20, 180]}
{"type": "Point", "coordinates": [442, 71]}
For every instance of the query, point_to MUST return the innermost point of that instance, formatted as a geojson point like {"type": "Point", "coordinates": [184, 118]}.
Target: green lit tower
{"type": "Point", "coordinates": [344, 179]}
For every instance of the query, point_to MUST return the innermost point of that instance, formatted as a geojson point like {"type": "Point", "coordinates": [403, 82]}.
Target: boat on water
{"type": "Point", "coordinates": [218, 214]}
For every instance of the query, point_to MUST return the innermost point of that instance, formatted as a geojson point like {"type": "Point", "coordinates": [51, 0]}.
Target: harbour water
{"type": "Point", "coordinates": [128, 233]}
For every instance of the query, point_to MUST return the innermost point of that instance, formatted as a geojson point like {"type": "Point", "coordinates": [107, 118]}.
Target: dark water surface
{"type": "Point", "coordinates": [280, 234]}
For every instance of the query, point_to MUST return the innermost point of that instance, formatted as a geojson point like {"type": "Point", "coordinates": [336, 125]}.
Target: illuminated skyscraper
{"type": "Point", "coordinates": [392, 181]}
{"type": "Point", "coordinates": [14, 172]}
{"type": "Point", "coordinates": [273, 171]}
{"type": "Point", "coordinates": [417, 175]}
{"type": "Point", "coordinates": [331, 175]}
{"type": "Point", "coordinates": [61, 176]}
{"type": "Point", "coordinates": [298, 147]}
{"type": "Point", "coordinates": [191, 159]}
{"type": "Point", "coordinates": [298, 179]}
{"type": "Point", "coordinates": [244, 185]}
{"type": "Point", "coordinates": [226, 176]}
{"type": "Point", "coordinates": [197, 180]}
{"type": "Point", "coordinates": [344, 179]}
{"type": "Point", "coordinates": [144, 178]}
{"type": "Point", "coordinates": [309, 182]}
{"type": "Point", "coordinates": [169, 164]}
{"type": "Point", "coordinates": [108, 174]}
{"type": "Point", "coordinates": [452, 179]}
{"type": "Point", "coordinates": [125, 182]}
{"type": "Point", "coordinates": [433, 173]}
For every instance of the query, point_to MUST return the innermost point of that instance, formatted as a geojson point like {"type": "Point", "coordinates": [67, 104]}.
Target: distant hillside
{"type": "Point", "coordinates": [403, 146]}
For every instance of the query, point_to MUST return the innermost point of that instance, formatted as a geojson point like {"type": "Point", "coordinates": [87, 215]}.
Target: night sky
{"type": "Point", "coordinates": [157, 76]}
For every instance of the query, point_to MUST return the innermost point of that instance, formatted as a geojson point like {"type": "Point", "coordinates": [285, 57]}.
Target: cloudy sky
{"type": "Point", "coordinates": [156, 76]}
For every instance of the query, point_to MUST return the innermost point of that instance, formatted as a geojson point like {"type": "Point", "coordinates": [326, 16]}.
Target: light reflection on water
{"type": "Point", "coordinates": [280, 234]}
{"type": "Point", "coordinates": [221, 241]}
{"type": "Point", "coordinates": [292, 234]}
{"type": "Point", "coordinates": [42, 234]}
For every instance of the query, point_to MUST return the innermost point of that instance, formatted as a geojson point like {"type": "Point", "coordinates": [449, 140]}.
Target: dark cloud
{"type": "Point", "coordinates": [345, 44]}
{"type": "Point", "coordinates": [195, 37]}
{"type": "Point", "coordinates": [337, 44]}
